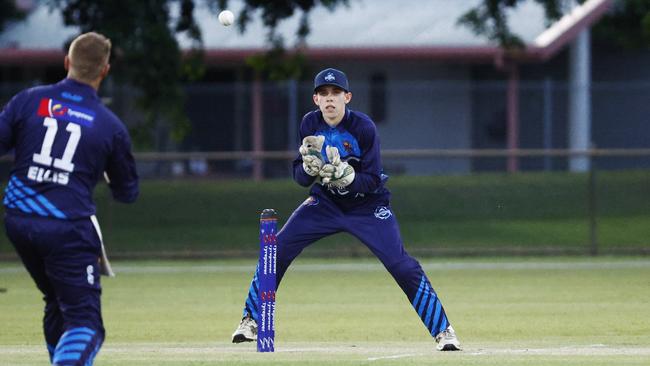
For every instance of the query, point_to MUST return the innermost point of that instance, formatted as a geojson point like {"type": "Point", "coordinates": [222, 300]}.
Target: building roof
{"type": "Point", "coordinates": [364, 29]}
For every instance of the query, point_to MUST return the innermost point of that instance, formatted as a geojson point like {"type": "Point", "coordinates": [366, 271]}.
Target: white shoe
{"type": "Point", "coordinates": [246, 331]}
{"type": "Point", "coordinates": [447, 340]}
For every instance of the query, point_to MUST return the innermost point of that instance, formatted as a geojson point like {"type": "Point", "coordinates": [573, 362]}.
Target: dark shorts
{"type": "Point", "coordinates": [62, 258]}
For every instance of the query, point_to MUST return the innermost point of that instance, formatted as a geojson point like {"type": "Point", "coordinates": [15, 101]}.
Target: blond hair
{"type": "Point", "coordinates": [88, 55]}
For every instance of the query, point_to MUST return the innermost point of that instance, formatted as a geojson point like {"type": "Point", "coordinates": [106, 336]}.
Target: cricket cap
{"type": "Point", "coordinates": [331, 77]}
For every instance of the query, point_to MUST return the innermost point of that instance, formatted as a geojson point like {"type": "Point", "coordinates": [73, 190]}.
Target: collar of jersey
{"type": "Point", "coordinates": [87, 89]}
{"type": "Point", "coordinates": [344, 122]}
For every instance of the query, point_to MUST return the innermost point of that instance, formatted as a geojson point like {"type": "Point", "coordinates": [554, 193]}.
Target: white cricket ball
{"type": "Point", "coordinates": [226, 17]}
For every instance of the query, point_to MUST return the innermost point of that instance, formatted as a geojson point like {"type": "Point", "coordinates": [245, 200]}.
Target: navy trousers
{"type": "Point", "coordinates": [62, 258]}
{"type": "Point", "coordinates": [376, 227]}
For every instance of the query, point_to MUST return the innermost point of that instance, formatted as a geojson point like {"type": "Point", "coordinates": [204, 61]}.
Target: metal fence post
{"type": "Point", "coordinates": [548, 122]}
{"type": "Point", "coordinates": [257, 128]}
{"type": "Point", "coordinates": [593, 207]}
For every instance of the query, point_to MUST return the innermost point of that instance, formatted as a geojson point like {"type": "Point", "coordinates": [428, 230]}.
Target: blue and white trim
{"type": "Point", "coordinates": [429, 308]}
{"type": "Point", "coordinates": [21, 197]}
{"type": "Point", "coordinates": [77, 346]}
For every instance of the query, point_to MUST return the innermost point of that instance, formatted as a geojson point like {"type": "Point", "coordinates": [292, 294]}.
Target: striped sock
{"type": "Point", "coordinates": [429, 308]}
{"type": "Point", "coordinates": [77, 347]}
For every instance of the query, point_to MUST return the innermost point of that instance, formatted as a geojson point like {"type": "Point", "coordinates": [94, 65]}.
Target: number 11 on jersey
{"type": "Point", "coordinates": [44, 157]}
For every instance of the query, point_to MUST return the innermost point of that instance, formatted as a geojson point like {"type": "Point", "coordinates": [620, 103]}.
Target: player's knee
{"type": "Point", "coordinates": [403, 268]}
{"type": "Point", "coordinates": [51, 305]}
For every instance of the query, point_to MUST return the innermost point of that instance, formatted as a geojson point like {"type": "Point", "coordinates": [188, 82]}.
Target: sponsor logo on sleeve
{"type": "Point", "coordinates": [49, 107]}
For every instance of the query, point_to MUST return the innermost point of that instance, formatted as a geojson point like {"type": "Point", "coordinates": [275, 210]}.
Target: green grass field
{"type": "Point", "coordinates": [532, 311]}
{"type": "Point", "coordinates": [532, 213]}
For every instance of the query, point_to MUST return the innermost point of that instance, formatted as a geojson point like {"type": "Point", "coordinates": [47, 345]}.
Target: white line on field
{"type": "Point", "coordinates": [587, 350]}
{"type": "Point", "coordinates": [373, 267]}
{"type": "Point", "coordinates": [372, 351]}
{"type": "Point", "coordinates": [393, 357]}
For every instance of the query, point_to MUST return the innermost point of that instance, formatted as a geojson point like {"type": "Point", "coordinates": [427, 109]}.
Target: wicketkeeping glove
{"type": "Point", "coordinates": [336, 173]}
{"type": "Point", "coordinates": [312, 159]}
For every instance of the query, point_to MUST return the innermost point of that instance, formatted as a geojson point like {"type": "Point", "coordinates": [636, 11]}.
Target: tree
{"type": "Point", "coordinates": [627, 25]}
{"type": "Point", "coordinates": [9, 13]}
{"type": "Point", "coordinates": [148, 57]}
{"type": "Point", "coordinates": [277, 64]}
{"type": "Point", "coordinates": [489, 19]}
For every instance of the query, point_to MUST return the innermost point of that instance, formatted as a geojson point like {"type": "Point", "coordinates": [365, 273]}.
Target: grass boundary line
{"type": "Point", "coordinates": [359, 251]}
{"type": "Point", "coordinates": [373, 267]}
{"type": "Point", "coordinates": [369, 350]}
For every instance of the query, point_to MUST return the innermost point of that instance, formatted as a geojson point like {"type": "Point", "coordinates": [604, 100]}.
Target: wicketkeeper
{"type": "Point", "coordinates": [340, 159]}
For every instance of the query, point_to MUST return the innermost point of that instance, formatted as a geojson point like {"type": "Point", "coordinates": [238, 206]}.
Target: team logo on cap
{"type": "Point", "coordinates": [329, 77]}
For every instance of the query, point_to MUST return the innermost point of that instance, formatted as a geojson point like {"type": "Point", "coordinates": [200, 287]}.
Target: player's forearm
{"type": "Point", "coordinates": [364, 183]}
{"type": "Point", "coordinates": [124, 187]}
{"type": "Point", "coordinates": [300, 176]}
{"type": "Point", "coordinates": [126, 194]}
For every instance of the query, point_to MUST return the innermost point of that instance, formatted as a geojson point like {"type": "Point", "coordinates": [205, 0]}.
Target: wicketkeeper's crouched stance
{"type": "Point", "coordinates": [340, 159]}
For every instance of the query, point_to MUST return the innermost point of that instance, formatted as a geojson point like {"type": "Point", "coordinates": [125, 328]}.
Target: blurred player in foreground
{"type": "Point", "coordinates": [340, 159]}
{"type": "Point", "coordinates": [64, 141]}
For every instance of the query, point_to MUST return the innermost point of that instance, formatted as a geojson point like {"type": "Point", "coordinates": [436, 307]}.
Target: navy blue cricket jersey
{"type": "Point", "coordinates": [357, 140]}
{"type": "Point", "coordinates": [64, 139]}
